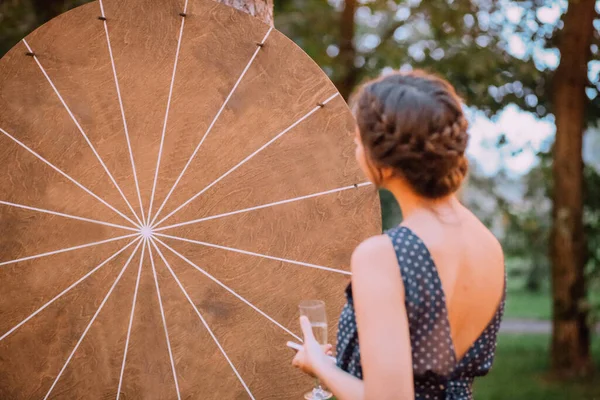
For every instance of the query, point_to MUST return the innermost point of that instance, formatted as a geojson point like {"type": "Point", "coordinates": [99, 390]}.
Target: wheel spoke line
{"type": "Point", "coordinates": [42, 210]}
{"type": "Point", "coordinates": [82, 246]}
{"type": "Point", "coordinates": [135, 293]}
{"type": "Point", "coordinates": [276, 203]}
{"type": "Point", "coordinates": [79, 185]}
{"type": "Point", "coordinates": [248, 158]}
{"type": "Point", "coordinates": [227, 288]}
{"type": "Point", "coordinates": [258, 48]}
{"type": "Point", "coordinates": [250, 253]}
{"type": "Point", "coordinates": [125, 127]}
{"type": "Point", "coordinates": [203, 321]}
{"type": "Point", "coordinates": [164, 129]}
{"type": "Point", "coordinates": [164, 320]}
{"type": "Point", "coordinates": [73, 285]}
{"type": "Point", "coordinates": [92, 320]}
{"type": "Point", "coordinates": [111, 177]}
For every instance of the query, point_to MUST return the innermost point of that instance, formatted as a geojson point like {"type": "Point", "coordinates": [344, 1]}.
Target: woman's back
{"type": "Point", "coordinates": [452, 322]}
{"type": "Point", "coordinates": [470, 264]}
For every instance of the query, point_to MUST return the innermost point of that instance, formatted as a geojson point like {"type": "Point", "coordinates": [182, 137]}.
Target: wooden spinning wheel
{"type": "Point", "coordinates": [175, 177]}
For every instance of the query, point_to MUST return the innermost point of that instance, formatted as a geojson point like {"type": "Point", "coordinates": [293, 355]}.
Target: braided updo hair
{"type": "Point", "coordinates": [413, 124]}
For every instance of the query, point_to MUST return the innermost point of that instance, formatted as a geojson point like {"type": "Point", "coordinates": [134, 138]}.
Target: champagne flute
{"type": "Point", "coordinates": [314, 310]}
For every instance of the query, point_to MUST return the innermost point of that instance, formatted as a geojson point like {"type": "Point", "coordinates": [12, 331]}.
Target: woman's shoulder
{"type": "Point", "coordinates": [373, 246]}
{"type": "Point", "coordinates": [376, 272]}
{"type": "Point", "coordinates": [374, 255]}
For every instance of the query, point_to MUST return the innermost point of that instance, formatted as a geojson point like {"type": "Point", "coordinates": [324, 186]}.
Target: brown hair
{"type": "Point", "coordinates": [413, 123]}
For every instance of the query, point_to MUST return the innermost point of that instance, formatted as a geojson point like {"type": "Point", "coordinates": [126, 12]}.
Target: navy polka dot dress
{"type": "Point", "coordinates": [438, 375]}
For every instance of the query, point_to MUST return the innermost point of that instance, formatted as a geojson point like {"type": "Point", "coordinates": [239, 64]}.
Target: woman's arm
{"type": "Point", "coordinates": [383, 331]}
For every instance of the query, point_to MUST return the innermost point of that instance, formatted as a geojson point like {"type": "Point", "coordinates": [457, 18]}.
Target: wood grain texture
{"type": "Point", "coordinates": [32, 356]}
{"type": "Point", "coordinates": [33, 114]}
{"type": "Point", "coordinates": [279, 87]}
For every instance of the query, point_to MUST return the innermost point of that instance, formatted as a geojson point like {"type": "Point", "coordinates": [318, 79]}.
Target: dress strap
{"type": "Point", "coordinates": [431, 341]}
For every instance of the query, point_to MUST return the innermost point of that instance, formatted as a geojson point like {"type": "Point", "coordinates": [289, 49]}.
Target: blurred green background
{"type": "Point", "coordinates": [521, 66]}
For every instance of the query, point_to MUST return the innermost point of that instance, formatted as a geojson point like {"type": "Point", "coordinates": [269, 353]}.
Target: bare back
{"type": "Point", "coordinates": [470, 264]}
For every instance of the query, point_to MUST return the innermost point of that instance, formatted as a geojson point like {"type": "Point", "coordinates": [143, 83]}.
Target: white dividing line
{"type": "Point", "coordinates": [114, 69]}
{"type": "Point", "coordinates": [164, 320]}
{"type": "Point", "coordinates": [247, 158]}
{"type": "Point", "coordinates": [135, 292]}
{"type": "Point", "coordinates": [82, 246]}
{"type": "Point", "coordinates": [92, 320]}
{"type": "Point", "coordinates": [203, 321]}
{"type": "Point", "coordinates": [94, 221]}
{"type": "Point", "coordinates": [164, 130]}
{"type": "Point", "coordinates": [58, 296]}
{"type": "Point", "coordinates": [276, 203]}
{"type": "Point", "coordinates": [250, 253]}
{"type": "Point", "coordinates": [48, 163]}
{"type": "Point", "coordinates": [82, 131]}
{"type": "Point", "coordinates": [218, 282]}
{"type": "Point", "coordinates": [258, 48]}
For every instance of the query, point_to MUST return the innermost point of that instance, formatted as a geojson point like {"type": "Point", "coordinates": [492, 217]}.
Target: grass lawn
{"type": "Point", "coordinates": [528, 305]}
{"type": "Point", "coordinates": [522, 304]}
{"type": "Point", "coordinates": [519, 373]}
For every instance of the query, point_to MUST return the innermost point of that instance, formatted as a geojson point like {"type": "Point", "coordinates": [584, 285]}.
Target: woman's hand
{"type": "Point", "coordinates": [312, 356]}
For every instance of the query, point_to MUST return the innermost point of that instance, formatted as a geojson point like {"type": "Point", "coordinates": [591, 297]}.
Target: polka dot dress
{"type": "Point", "coordinates": [437, 372]}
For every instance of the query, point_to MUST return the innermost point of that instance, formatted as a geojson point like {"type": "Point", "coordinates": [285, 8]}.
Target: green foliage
{"type": "Point", "coordinates": [592, 230]}
{"type": "Point", "coordinates": [465, 41]}
{"type": "Point", "coordinates": [523, 304]}
{"type": "Point", "coordinates": [16, 21]}
{"type": "Point", "coordinates": [20, 17]}
{"type": "Point", "coordinates": [391, 214]}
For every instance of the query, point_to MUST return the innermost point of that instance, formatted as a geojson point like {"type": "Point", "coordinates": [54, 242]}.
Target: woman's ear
{"type": "Point", "coordinates": [385, 175]}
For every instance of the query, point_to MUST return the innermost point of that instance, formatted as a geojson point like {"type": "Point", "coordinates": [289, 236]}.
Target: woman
{"type": "Point", "coordinates": [426, 298]}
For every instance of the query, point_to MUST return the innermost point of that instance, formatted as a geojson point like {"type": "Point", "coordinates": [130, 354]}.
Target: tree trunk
{"type": "Point", "coordinates": [571, 334]}
{"type": "Point", "coordinates": [262, 9]}
{"type": "Point", "coordinates": [349, 72]}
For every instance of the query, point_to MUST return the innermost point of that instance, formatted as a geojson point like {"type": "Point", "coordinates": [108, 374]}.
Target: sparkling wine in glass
{"type": "Point", "coordinates": [314, 310]}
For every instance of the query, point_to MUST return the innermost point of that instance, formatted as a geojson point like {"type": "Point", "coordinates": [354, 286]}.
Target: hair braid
{"type": "Point", "coordinates": [413, 123]}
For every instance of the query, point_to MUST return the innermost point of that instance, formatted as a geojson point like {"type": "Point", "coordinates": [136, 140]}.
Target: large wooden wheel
{"type": "Point", "coordinates": [175, 177]}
